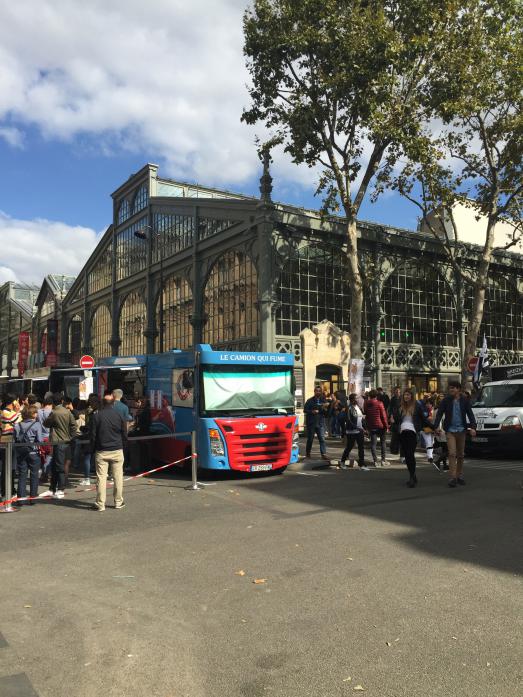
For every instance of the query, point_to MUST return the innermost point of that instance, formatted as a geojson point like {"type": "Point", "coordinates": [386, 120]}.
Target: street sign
{"type": "Point", "coordinates": [471, 365]}
{"type": "Point", "coordinates": [87, 362]}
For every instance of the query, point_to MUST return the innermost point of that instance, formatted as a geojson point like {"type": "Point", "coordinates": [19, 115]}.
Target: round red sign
{"type": "Point", "coordinates": [87, 362]}
{"type": "Point", "coordinates": [471, 365]}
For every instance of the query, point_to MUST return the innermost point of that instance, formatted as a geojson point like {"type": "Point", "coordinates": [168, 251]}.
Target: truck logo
{"type": "Point", "coordinates": [261, 426]}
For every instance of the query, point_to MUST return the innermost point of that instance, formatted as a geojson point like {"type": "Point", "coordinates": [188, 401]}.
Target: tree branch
{"type": "Point", "coordinates": [372, 166]}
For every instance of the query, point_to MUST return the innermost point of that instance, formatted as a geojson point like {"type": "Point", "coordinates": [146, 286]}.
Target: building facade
{"type": "Point", "coordinates": [17, 307]}
{"type": "Point", "coordinates": [182, 264]}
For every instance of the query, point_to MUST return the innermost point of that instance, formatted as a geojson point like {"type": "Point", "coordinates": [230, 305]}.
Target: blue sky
{"type": "Point", "coordinates": [72, 182]}
{"type": "Point", "coordinates": [82, 106]}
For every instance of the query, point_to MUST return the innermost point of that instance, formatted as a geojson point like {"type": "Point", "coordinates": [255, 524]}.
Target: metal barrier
{"type": "Point", "coordinates": [7, 469]}
{"type": "Point", "coordinates": [8, 448]}
{"type": "Point", "coordinates": [194, 486]}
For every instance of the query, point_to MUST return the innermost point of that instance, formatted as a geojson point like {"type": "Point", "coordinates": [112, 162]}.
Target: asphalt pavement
{"type": "Point", "coordinates": [317, 583]}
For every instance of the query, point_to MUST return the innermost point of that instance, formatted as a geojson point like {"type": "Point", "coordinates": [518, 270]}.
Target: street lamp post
{"type": "Point", "coordinates": [142, 234]}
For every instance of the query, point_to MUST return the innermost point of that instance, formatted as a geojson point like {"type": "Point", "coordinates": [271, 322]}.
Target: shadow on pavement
{"type": "Point", "coordinates": [479, 523]}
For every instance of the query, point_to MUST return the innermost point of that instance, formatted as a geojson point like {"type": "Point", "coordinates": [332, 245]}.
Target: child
{"type": "Point", "coordinates": [441, 451]}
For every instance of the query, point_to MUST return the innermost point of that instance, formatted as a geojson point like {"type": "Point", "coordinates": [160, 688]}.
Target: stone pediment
{"type": "Point", "coordinates": [324, 343]}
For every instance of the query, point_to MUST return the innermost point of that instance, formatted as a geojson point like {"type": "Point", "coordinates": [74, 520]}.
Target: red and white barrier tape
{"type": "Point", "coordinates": [82, 490]}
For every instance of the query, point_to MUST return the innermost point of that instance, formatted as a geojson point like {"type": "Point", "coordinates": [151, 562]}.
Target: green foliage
{"type": "Point", "coordinates": [474, 150]}
{"type": "Point", "coordinates": [341, 82]}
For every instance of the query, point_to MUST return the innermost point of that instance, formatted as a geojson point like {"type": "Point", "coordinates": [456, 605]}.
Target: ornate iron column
{"type": "Point", "coordinates": [198, 317]}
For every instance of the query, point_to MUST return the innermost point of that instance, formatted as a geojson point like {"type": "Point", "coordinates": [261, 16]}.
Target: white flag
{"type": "Point", "coordinates": [482, 363]}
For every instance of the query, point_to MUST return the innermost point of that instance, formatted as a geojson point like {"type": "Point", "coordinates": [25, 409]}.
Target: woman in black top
{"type": "Point", "coordinates": [411, 421]}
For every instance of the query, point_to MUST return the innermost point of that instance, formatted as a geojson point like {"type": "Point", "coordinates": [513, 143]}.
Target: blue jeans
{"type": "Point", "coordinates": [320, 432]}
{"type": "Point", "coordinates": [334, 426]}
{"type": "Point", "coordinates": [88, 464]}
{"type": "Point", "coordinates": [31, 461]}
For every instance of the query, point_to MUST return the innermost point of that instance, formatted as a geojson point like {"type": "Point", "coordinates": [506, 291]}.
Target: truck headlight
{"type": "Point", "coordinates": [216, 442]}
{"type": "Point", "coordinates": [511, 423]}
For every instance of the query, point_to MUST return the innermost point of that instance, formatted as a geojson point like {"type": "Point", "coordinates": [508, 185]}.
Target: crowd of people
{"type": "Point", "coordinates": [56, 434]}
{"type": "Point", "coordinates": [59, 433]}
{"type": "Point", "coordinates": [436, 422]}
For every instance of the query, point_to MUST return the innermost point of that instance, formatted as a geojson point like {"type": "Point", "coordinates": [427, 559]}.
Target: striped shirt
{"type": "Point", "coordinates": [8, 419]}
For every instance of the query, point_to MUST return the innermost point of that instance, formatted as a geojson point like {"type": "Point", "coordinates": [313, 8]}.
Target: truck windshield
{"type": "Point", "coordinates": [234, 390]}
{"type": "Point", "coordinates": [509, 395]}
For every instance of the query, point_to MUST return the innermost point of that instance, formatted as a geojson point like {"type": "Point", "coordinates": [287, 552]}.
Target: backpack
{"type": "Point", "coordinates": [24, 437]}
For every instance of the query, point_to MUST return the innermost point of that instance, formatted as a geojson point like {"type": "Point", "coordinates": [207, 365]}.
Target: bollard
{"type": "Point", "coordinates": [8, 479]}
{"type": "Point", "coordinates": [194, 486]}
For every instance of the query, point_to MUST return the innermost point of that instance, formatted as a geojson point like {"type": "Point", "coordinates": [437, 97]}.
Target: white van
{"type": "Point", "coordinates": [499, 414]}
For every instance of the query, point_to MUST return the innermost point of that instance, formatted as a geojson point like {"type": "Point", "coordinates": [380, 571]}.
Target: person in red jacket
{"type": "Point", "coordinates": [377, 425]}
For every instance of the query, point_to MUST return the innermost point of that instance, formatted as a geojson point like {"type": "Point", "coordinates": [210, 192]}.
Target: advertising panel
{"type": "Point", "coordinates": [23, 352]}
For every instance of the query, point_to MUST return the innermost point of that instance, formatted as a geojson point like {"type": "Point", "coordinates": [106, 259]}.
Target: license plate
{"type": "Point", "coordinates": [480, 423]}
{"type": "Point", "coordinates": [260, 468]}
{"type": "Point", "coordinates": [479, 440]}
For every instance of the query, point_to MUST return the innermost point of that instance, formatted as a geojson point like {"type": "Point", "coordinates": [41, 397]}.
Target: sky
{"type": "Point", "coordinates": [90, 92]}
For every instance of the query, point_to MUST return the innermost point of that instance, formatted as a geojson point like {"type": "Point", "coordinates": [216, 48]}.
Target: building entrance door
{"type": "Point", "coordinates": [329, 377]}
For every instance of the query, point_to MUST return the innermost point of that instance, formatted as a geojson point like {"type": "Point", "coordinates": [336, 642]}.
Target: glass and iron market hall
{"type": "Point", "coordinates": [184, 264]}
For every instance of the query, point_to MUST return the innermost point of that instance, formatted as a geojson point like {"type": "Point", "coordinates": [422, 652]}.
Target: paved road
{"type": "Point", "coordinates": [367, 583]}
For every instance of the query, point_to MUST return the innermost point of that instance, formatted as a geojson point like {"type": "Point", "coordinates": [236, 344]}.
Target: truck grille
{"type": "Point", "coordinates": [248, 449]}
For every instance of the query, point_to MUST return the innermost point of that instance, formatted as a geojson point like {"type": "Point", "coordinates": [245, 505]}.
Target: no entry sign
{"type": "Point", "coordinates": [471, 365]}
{"type": "Point", "coordinates": [87, 362]}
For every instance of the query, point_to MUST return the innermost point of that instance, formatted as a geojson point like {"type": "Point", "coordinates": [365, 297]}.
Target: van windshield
{"type": "Point", "coordinates": [509, 395]}
{"type": "Point", "coordinates": [237, 389]}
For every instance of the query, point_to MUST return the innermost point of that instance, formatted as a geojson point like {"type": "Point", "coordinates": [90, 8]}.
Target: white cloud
{"type": "Point", "coordinates": [13, 136]}
{"type": "Point", "coordinates": [164, 78]}
{"type": "Point", "coordinates": [31, 249]}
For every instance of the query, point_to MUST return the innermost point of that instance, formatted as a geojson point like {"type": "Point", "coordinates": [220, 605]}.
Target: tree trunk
{"type": "Point", "coordinates": [356, 286]}
{"type": "Point", "coordinates": [478, 303]}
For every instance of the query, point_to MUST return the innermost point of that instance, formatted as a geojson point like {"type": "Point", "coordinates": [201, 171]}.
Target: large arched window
{"type": "Point", "coordinates": [101, 332]}
{"type": "Point", "coordinates": [101, 274]}
{"type": "Point", "coordinates": [314, 286]}
{"type": "Point", "coordinates": [177, 310]}
{"type": "Point", "coordinates": [75, 339]}
{"type": "Point", "coordinates": [230, 295]}
{"type": "Point", "coordinates": [124, 211]}
{"type": "Point", "coordinates": [418, 307]}
{"type": "Point", "coordinates": [502, 315]}
{"type": "Point", "coordinates": [140, 200]}
{"type": "Point", "coordinates": [132, 325]}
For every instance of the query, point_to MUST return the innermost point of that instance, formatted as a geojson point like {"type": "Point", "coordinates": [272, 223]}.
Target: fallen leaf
{"type": "Point", "coordinates": [260, 580]}
{"type": "Point", "coordinates": [241, 572]}
{"type": "Point", "coordinates": [28, 606]}
{"type": "Point", "coordinates": [359, 688]}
